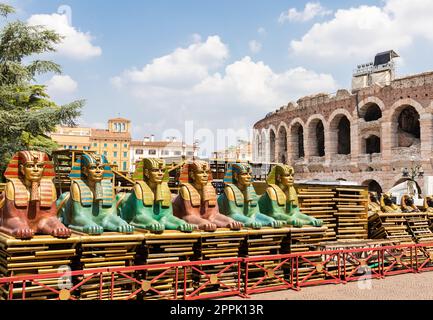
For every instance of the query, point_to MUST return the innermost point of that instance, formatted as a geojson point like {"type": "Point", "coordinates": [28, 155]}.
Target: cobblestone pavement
{"type": "Point", "coordinates": [400, 287]}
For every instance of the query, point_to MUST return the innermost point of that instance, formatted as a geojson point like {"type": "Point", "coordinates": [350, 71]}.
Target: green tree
{"type": "Point", "coordinates": [27, 114]}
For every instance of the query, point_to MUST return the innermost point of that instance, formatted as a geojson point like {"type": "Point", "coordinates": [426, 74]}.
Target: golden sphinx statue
{"type": "Point", "coordinates": [388, 205]}
{"type": "Point", "coordinates": [407, 204]}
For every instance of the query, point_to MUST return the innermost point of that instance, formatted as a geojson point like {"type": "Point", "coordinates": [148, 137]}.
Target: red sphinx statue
{"type": "Point", "coordinates": [28, 205]}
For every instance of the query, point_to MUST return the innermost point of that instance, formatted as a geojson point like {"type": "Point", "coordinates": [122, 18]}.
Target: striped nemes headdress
{"type": "Point", "coordinates": [185, 180]}
{"type": "Point", "coordinates": [279, 170]}
{"type": "Point", "coordinates": [46, 184]}
{"type": "Point", "coordinates": [104, 191]}
{"type": "Point", "coordinates": [237, 168]}
{"type": "Point", "coordinates": [162, 192]}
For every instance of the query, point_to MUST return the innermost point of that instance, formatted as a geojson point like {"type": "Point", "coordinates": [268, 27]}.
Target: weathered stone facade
{"type": "Point", "coordinates": [366, 136]}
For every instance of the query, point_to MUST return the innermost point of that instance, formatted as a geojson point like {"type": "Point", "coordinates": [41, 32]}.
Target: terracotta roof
{"type": "Point", "coordinates": [136, 143]}
{"type": "Point", "coordinates": [119, 119]}
{"type": "Point", "coordinates": [105, 134]}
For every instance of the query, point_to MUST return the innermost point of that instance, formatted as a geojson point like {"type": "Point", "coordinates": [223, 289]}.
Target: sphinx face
{"type": "Point", "coordinates": [430, 203]}
{"type": "Point", "coordinates": [32, 171]}
{"type": "Point", "coordinates": [155, 175]}
{"type": "Point", "coordinates": [243, 179]}
{"type": "Point", "coordinates": [94, 172]}
{"type": "Point", "coordinates": [286, 179]}
{"type": "Point", "coordinates": [409, 201]}
{"type": "Point", "coordinates": [200, 177]}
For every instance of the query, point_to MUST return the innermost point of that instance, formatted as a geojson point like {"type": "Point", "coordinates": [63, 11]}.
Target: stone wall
{"type": "Point", "coordinates": [414, 91]}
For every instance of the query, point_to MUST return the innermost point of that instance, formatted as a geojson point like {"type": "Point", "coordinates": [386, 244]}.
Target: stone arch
{"type": "Point", "coordinates": [282, 143]}
{"type": "Point", "coordinates": [399, 180]}
{"type": "Point", "coordinates": [405, 123]}
{"type": "Point", "coordinates": [317, 128]}
{"type": "Point", "coordinates": [297, 140]}
{"type": "Point", "coordinates": [265, 146]}
{"type": "Point", "coordinates": [272, 143]}
{"type": "Point", "coordinates": [257, 145]}
{"type": "Point", "coordinates": [373, 185]}
{"type": "Point", "coordinates": [365, 103]}
{"type": "Point", "coordinates": [340, 132]}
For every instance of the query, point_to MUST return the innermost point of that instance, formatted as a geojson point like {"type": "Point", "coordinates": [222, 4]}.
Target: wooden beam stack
{"type": "Point", "coordinates": [391, 226]}
{"type": "Point", "coordinates": [418, 224]}
{"type": "Point", "coordinates": [352, 213]}
{"type": "Point", "coordinates": [110, 249]}
{"type": "Point", "coordinates": [40, 255]}
{"type": "Point", "coordinates": [318, 202]}
{"type": "Point", "coordinates": [168, 247]}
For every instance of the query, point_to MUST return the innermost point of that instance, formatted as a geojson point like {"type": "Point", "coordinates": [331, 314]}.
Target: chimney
{"type": "Point", "coordinates": [152, 138]}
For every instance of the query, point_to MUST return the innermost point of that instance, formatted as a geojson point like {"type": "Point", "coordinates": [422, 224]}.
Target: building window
{"type": "Point", "coordinates": [115, 154]}
{"type": "Point", "coordinates": [105, 153]}
{"type": "Point", "coordinates": [125, 154]}
{"type": "Point", "coordinates": [177, 153]}
{"type": "Point", "coordinates": [139, 151]}
{"type": "Point", "coordinates": [190, 153]}
{"type": "Point", "coordinates": [125, 145]}
{"type": "Point", "coordinates": [124, 166]}
{"type": "Point", "coordinates": [70, 147]}
{"type": "Point", "coordinates": [152, 152]}
{"type": "Point", "coordinates": [95, 144]}
{"type": "Point", "coordinates": [115, 145]}
{"type": "Point", "coordinates": [65, 147]}
{"type": "Point", "coordinates": [165, 152]}
{"type": "Point", "coordinates": [105, 145]}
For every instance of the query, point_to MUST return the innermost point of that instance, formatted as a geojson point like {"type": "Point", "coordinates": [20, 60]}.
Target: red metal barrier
{"type": "Point", "coordinates": [284, 263]}
{"type": "Point", "coordinates": [359, 262]}
{"type": "Point", "coordinates": [398, 259]}
{"type": "Point", "coordinates": [214, 282]}
{"type": "Point", "coordinates": [425, 250]}
{"type": "Point", "coordinates": [223, 277]}
{"type": "Point", "coordinates": [318, 268]}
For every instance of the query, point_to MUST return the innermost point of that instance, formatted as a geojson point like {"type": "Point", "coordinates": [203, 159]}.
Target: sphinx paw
{"type": "Point", "coordinates": [155, 227]}
{"type": "Point", "coordinates": [125, 228]}
{"type": "Point", "coordinates": [254, 225]}
{"type": "Point", "coordinates": [61, 232]}
{"type": "Point", "coordinates": [277, 224]}
{"type": "Point", "coordinates": [317, 223]}
{"type": "Point", "coordinates": [23, 233]}
{"type": "Point", "coordinates": [93, 229]}
{"type": "Point", "coordinates": [186, 227]}
{"type": "Point", "coordinates": [209, 227]}
{"type": "Point", "coordinates": [235, 225]}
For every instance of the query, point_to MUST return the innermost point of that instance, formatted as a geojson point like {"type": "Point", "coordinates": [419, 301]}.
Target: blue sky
{"type": "Point", "coordinates": [222, 64]}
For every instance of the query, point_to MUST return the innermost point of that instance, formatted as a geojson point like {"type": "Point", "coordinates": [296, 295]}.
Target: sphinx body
{"type": "Point", "coordinates": [428, 204]}
{"type": "Point", "coordinates": [90, 206]}
{"type": "Point", "coordinates": [28, 206]}
{"type": "Point", "coordinates": [149, 205]}
{"type": "Point", "coordinates": [280, 201]}
{"type": "Point", "coordinates": [387, 205]}
{"type": "Point", "coordinates": [373, 203]}
{"type": "Point", "coordinates": [240, 201]}
{"type": "Point", "coordinates": [407, 204]}
{"type": "Point", "coordinates": [197, 201]}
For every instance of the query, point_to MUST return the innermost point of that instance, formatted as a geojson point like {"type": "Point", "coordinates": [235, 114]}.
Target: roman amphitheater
{"type": "Point", "coordinates": [367, 135]}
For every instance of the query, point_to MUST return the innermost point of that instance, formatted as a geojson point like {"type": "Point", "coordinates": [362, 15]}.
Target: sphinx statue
{"type": "Point", "coordinates": [90, 206]}
{"type": "Point", "coordinates": [197, 200]}
{"type": "Point", "coordinates": [280, 201]}
{"type": "Point", "coordinates": [407, 204]}
{"type": "Point", "coordinates": [149, 205]}
{"type": "Point", "coordinates": [373, 203]}
{"type": "Point", "coordinates": [240, 201]}
{"type": "Point", "coordinates": [28, 206]}
{"type": "Point", "coordinates": [387, 204]}
{"type": "Point", "coordinates": [428, 204]}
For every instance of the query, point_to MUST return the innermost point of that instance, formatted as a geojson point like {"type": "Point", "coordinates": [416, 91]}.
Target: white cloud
{"type": "Point", "coordinates": [76, 44]}
{"type": "Point", "coordinates": [255, 46]}
{"type": "Point", "coordinates": [61, 85]}
{"type": "Point", "coordinates": [188, 82]}
{"type": "Point", "coordinates": [181, 68]}
{"type": "Point", "coordinates": [261, 31]}
{"type": "Point", "coordinates": [311, 10]}
{"type": "Point", "coordinates": [365, 30]}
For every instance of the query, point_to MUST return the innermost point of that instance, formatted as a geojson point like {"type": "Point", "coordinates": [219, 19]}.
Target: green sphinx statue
{"type": "Point", "coordinates": [90, 206]}
{"type": "Point", "coordinates": [240, 201]}
{"type": "Point", "coordinates": [280, 201]}
{"type": "Point", "coordinates": [149, 205]}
